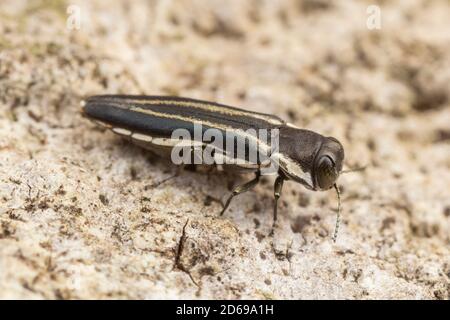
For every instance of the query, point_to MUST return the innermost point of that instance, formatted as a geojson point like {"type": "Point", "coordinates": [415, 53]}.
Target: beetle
{"type": "Point", "coordinates": [303, 156]}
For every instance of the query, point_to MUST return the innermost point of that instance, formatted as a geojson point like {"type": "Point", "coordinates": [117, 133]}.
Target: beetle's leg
{"type": "Point", "coordinates": [241, 189]}
{"type": "Point", "coordinates": [278, 186]}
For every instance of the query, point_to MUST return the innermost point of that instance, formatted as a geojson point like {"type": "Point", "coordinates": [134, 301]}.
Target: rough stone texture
{"type": "Point", "coordinates": [86, 215]}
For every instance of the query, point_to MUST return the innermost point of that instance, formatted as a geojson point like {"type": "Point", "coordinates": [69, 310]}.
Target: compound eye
{"type": "Point", "coordinates": [326, 173]}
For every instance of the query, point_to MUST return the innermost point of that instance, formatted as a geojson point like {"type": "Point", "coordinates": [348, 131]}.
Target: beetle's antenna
{"type": "Point", "coordinates": [338, 216]}
{"type": "Point", "coordinates": [354, 169]}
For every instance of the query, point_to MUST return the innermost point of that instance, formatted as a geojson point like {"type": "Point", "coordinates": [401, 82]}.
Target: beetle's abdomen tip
{"type": "Point", "coordinates": [90, 109]}
{"type": "Point", "coordinates": [82, 105]}
{"type": "Point", "coordinates": [90, 105]}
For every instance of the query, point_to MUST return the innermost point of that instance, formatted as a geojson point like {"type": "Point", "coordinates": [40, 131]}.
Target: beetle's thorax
{"type": "Point", "coordinates": [297, 151]}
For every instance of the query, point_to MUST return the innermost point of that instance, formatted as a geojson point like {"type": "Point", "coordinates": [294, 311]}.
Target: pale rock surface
{"type": "Point", "coordinates": [84, 214]}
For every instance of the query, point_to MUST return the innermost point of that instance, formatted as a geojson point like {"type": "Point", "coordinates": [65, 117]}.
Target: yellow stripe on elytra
{"type": "Point", "coordinates": [208, 107]}
{"type": "Point", "coordinates": [200, 122]}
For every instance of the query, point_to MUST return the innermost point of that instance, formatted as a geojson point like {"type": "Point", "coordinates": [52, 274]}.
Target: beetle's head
{"type": "Point", "coordinates": [327, 164]}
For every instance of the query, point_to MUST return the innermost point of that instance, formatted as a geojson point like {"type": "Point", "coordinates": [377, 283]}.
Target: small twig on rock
{"type": "Point", "coordinates": [178, 265]}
